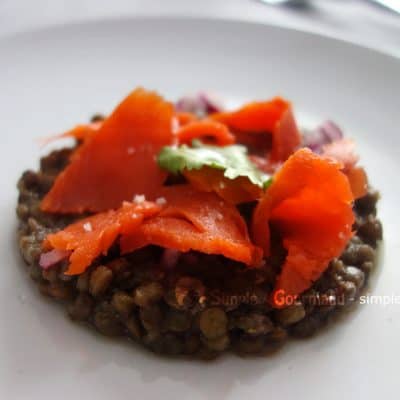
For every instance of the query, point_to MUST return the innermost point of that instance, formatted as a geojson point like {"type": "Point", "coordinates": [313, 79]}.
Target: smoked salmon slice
{"type": "Point", "coordinates": [193, 220]}
{"type": "Point", "coordinates": [185, 117]}
{"type": "Point", "coordinates": [119, 160]}
{"type": "Point", "coordinates": [79, 132]}
{"type": "Point", "coordinates": [91, 237]}
{"type": "Point", "coordinates": [344, 151]}
{"type": "Point", "coordinates": [358, 181]}
{"type": "Point", "coordinates": [207, 130]}
{"type": "Point", "coordinates": [310, 204]}
{"type": "Point", "coordinates": [273, 117]}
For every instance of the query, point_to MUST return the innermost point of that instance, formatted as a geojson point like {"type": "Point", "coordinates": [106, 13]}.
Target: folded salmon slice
{"type": "Point", "coordinates": [117, 162]}
{"type": "Point", "coordinates": [207, 130]}
{"type": "Point", "coordinates": [93, 236]}
{"type": "Point", "coordinates": [185, 118]}
{"type": "Point", "coordinates": [273, 117]}
{"type": "Point", "coordinates": [358, 180]}
{"type": "Point", "coordinates": [344, 151]}
{"type": "Point", "coordinates": [193, 220]}
{"type": "Point", "coordinates": [310, 204]}
{"type": "Point", "coordinates": [79, 132]}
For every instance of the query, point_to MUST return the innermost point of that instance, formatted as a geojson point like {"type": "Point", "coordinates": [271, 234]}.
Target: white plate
{"type": "Point", "coordinates": [52, 79]}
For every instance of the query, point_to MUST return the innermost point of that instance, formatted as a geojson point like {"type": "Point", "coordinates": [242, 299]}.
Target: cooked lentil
{"type": "Point", "coordinates": [207, 304]}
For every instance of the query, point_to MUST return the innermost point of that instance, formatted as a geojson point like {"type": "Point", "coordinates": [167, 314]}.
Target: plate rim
{"type": "Point", "coordinates": [52, 27]}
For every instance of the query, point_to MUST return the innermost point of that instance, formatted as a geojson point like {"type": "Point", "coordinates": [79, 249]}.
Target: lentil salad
{"type": "Point", "coordinates": [199, 299]}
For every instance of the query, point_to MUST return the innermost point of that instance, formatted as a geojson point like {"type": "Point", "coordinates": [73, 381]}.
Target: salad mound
{"type": "Point", "coordinates": [201, 191]}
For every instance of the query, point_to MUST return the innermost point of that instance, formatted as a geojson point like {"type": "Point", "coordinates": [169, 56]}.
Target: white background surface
{"type": "Point", "coordinates": [355, 20]}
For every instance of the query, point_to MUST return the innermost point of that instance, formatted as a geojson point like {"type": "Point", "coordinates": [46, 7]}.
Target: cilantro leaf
{"type": "Point", "coordinates": [233, 160]}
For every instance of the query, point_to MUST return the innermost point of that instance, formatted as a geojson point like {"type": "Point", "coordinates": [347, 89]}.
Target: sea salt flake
{"type": "Point", "coordinates": [219, 217]}
{"type": "Point", "coordinates": [87, 226]}
{"type": "Point", "coordinates": [161, 201]}
{"type": "Point", "coordinates": [139, 198]}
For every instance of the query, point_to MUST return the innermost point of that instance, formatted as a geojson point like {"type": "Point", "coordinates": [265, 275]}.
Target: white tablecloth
{"type": "Point", "coordinates": [354, 20]}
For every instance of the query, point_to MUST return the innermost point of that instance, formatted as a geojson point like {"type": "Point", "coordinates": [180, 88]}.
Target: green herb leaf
{"type": "Point", "coordinates": [233, 160]}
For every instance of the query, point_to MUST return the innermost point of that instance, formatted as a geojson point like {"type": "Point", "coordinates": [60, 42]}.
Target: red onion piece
{"type": "Point", "coordinates": [342, 150]}
{"type": "Point", "coordinates": [201, 103]}
{"type": "Point", "coordinates": [53, 257]}
{"type": "Point", "coordinates": [263, 164]}
{"type": "Point", "coordinates": [326, 133]}
{"type": "Point", "coordinates": [332, 131]}
{"type": "Point", "coordinates": [170, 258]}
{"type": "Point", "coordinates": [192, 104]}
{"type": "Point", "coordinates": [212, 102]}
